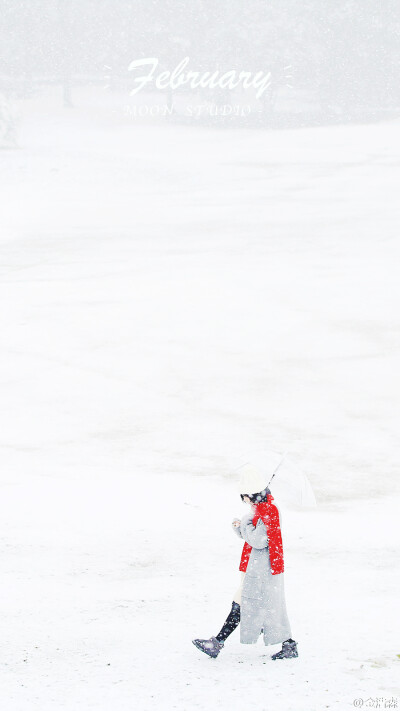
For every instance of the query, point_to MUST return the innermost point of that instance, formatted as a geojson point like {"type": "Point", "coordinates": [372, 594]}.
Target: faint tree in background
{"type": "Point", "coordinates": [347, 53]}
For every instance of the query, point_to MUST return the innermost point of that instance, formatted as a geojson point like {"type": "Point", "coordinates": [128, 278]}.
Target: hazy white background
{"type": "Point", "coordinates": [176, 291]}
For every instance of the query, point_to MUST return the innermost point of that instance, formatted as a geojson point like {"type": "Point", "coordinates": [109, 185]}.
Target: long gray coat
{"type": "Point", "coordinates": [263, 603]}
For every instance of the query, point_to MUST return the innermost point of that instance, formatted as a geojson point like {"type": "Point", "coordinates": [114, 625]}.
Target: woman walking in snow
{"type": "Point", "coordinates": [259, 603]}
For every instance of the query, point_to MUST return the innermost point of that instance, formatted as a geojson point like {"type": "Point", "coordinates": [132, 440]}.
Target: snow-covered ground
{"type": "Point", "coordinates": [173, 296]}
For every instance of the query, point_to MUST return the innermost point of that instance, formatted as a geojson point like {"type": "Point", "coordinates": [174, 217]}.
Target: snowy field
{"type": "Point", "coordinates": [171, 297]}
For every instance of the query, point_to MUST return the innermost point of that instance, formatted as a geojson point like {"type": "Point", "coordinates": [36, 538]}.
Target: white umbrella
{"type": "Point", "coordinates": [287, 482]}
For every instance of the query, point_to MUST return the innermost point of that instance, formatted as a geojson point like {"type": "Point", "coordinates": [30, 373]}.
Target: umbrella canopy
{"type": "Point", "coordinates": [287, 482]}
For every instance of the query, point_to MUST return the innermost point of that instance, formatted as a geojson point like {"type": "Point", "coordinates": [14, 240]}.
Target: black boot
{"type": "Point", "coordinates": [209, 646]}
{"type": "Point", "coordinates": [288, 651]}
{"type": "Point", "coordinates": [213, 646]}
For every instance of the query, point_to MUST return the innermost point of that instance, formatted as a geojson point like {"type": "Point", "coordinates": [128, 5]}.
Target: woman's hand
{"type": "Point", "coordinates": [236, 522]}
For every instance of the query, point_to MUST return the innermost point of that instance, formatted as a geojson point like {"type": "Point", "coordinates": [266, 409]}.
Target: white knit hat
{"type": "Point", "coordinates": [251, 480]}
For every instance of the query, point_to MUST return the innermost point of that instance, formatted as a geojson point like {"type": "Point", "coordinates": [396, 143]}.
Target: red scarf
{"type": "Point", "coordinates": [269, 514]}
